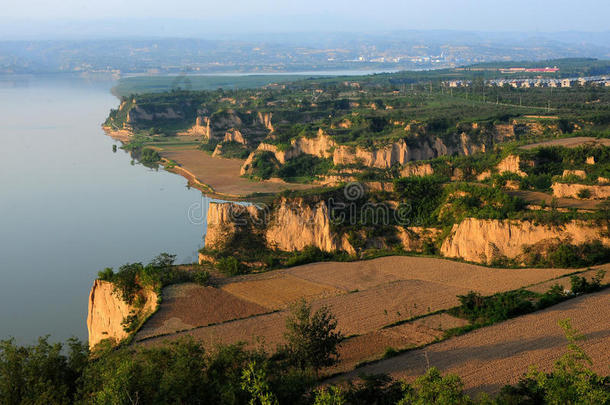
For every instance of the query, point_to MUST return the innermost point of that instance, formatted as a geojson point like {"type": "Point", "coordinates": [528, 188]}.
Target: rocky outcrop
{"type": "Point", "coordinates": [295, 225]}
{"type": "Point", "coordinates": [581, 174]}
{"type": "Point", "coordinates": [224, 220]}
{"type": "Point", "coordinates": [201, 128]}
{"type": "Point", "coordinates": [485, 241]}
{"type": "Point", "coordinates": [415, 170]}
{"type": "Point", "coordinates": [265, 120]}
{"type": "Point", "coordinates": [511, 164]}
{"type": "Point", "coordinates": [593, 192]}
{"type": "Point", "coordinates": [381, 156]}
{"type": "Point", "coordinates": [505, 130]}
{"type": "Point", "coordinates": [234, 135]}
{"type": "Point", "coordinates": [137, 113]}
{"type": "Point", "coordinates": [290, 225]}
{"type": "Point", "coordinates": [107, 311]}
{"type": "Point", "coordinates": [320, 146]}
{"type": "Point", "coordinates": [414, 238]}
{"type": "Point", "coordinates": [397, 153]}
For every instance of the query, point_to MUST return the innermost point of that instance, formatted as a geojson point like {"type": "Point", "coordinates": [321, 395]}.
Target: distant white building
{"type": "Point", "coordinates": [566, 83]}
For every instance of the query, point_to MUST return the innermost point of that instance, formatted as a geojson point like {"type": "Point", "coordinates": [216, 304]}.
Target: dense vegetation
{"type": "Point", "coordinates": [480, 310]}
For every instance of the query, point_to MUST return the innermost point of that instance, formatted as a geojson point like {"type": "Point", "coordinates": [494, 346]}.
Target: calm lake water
{"type": "Point", "coordinates": [69, 206]}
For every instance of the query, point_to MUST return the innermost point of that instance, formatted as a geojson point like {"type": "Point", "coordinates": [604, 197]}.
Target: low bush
{"type": "Point", "coordinates": [498, 307]}
{"type": "Point", "coordinates": [230, 266]}
{"type": "Point", "coordinates": [568, 255]}
{"type": "Point", "coordinates": [580, 285]}
{"type": "Point", "coordinates": [132, 278]}
{"type": "Point", "coordinates": [584, 193]}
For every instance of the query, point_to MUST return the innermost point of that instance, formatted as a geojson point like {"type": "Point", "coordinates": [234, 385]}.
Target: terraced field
{"type": "Point", "coordinates": [389, 302]}
{"type": "Point", "coordinates": [491, 357]}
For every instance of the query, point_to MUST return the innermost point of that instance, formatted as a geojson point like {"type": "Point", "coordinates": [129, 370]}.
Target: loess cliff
{"type": "Point", "coordinates": [382, 155]}
{"type": "Point", "coordinates": [485, 241]}
{"type": "Point", "coordinates": [107, 311]}
{"type": "Point", "coordinates": [289, 225]}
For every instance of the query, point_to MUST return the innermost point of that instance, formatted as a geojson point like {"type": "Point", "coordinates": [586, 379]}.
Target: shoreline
{"type": "Point", "coordinates": [125, 135]}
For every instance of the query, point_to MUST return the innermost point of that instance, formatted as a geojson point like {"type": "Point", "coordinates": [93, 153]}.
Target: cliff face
{"type": "Point", "coordinates": [265, 120]}
{"type": "Point", "coordinates": [107, 311]}
{"type": "Point", "coordinates": [511, 164]}
{"type": "Point", "coordinates": [596, 192]}
{"type": "Point", "coordinates": [290, 225]}
{"type": "Point", "coordinates": [226, 219]}
{"type": "Point", "coordinates": [483, 241]}
{"type": "Point", "coordinates": [295, 225]}
{"type": "Point", "coordinates": [397, 153]}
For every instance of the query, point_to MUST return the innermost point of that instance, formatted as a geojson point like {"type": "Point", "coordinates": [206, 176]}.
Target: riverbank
{"type": "Point", "coordinates": [215, 176]}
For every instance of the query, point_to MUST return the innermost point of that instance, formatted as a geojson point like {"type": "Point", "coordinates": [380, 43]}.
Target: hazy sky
{"type": "Point", "coordinates": [267, 15]}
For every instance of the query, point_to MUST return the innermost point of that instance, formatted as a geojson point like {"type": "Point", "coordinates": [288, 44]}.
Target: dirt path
{"type": "Point", "coordinates": [491, 357]}
{"type": "Point", "coordinates": [535, 197]}
{"type": "Point", "coordinates": [570, 142]}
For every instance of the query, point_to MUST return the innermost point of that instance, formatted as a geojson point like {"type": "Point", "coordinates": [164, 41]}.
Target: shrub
{"type": "Point", "coordinates": [230, 266]}
{"type": "Point", "coordinates": [106, 275]}
{"type": "Point", "coordinates": [580, 285]}
{"type": "Point", "coordinates": [149, 156]}
{"type": "Point", "coordinates": [201, 277]}
{"type": "Point", "coordinates": [553, 296]}
{"type": "Point", "coordinates": [310, 254]}
{"type": "Point", "coordinates": [584, 193]}
{"type": "Point", "coordinates": [569, 255]}
{"type": "Point", "coordinates": [312, 338]}
{"type": "Point", "coordinates": [495, 308]}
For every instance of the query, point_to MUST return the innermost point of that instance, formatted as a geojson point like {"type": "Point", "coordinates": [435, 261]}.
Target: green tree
{"type": "Point", "coordinates": [312, 337]}
{"type": "Point", "coordinates": [433, 388]}
{"type": "Point", "coordinates": [254, 381]}
{"type": "Point", "coordinates": [332, 395]}
{"type": "Point", "coordinates": [41, 373]}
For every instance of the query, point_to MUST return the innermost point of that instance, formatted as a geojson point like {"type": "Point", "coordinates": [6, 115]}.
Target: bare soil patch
{"type": "Point", "coordinates": [571, 142]}
{"type": "Point", "coordinates": [491, 357]}
{"type": "Point", "coordinates": [440, 322]}
{"type": "Point", "coordinates": [222, 175]}
{"type": "Point", "coordinates": [278, 292]}
{"type": "Point", "coordinates": [565, 281]}
{"type": "Point", "coordinates": [374, 345]}
{"type": "Point", "coordinates": [369, 273]}
{"type": "Point", "coordinates": [537, 197]}
{"type": "Point", "coordinates": [189, 305]}
{"type": "Point", "coordinates": [365, 311]}
{"type": "Point", "coordinates": [263, 330]}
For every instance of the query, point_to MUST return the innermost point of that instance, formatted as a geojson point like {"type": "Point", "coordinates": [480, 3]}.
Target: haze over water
{"type": "Point", "coordinates": [70, 206]}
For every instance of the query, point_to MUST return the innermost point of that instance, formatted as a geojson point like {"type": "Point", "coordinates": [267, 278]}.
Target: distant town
{"type": "Point", "coordinates": [536, 82]}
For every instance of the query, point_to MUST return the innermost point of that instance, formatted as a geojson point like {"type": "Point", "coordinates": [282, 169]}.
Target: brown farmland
{"type": "Point", "coordinates": [222, 175]}
{"type": "Point", "coordinates": [491, 357]}
{"type": "Point", "coordinates": [366, 297]}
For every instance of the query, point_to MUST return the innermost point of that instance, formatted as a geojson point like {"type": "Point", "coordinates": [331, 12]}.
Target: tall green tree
{"type": "Point", "coordinates": [312, 337]}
